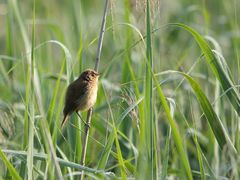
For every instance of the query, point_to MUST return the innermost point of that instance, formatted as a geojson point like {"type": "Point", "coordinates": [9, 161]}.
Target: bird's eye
{"type": "Point", "coordinates": [86, 78]}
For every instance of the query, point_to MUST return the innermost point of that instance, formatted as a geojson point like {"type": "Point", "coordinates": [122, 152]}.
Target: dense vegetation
{"type": "Point", "coordinates": [168, 102]}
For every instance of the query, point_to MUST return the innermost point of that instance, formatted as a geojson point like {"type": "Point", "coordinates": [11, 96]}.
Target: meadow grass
{"type": "Point", "coordinates": [168, 104]}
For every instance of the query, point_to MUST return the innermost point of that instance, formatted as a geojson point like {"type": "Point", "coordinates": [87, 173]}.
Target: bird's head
{"type": "Point", "coordinates": [89, 75]}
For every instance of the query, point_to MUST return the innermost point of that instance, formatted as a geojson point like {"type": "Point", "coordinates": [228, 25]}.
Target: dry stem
{"type": "Point", "coordinates": [89, 116]}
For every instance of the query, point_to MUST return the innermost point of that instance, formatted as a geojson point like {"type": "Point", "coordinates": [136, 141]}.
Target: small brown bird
{"type": "Point", "coordinates": [81, 94]}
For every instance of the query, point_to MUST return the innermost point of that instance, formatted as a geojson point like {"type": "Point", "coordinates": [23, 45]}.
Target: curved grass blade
{"type": "Point", "coordinates": [68, 57]}
{"type": "Point", "coordinates": [115, 135]}
{"type": "Point", "coordinates": [213, 120]}
{"type": "Point", "coordinates": [176, 134]}
{"type": "Point", "coordinates": [44, 157]}
{"type": "Point", "coordinates": [105, 154]}
{"type": "Point", "coordinates": [219, 71]}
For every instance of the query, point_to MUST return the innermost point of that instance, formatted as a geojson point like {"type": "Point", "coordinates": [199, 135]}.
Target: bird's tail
{"type": "Point", "coordinates": [64, 120]}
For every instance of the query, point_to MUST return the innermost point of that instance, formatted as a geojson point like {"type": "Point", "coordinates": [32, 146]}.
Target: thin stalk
{"type": "Point", "coordinates": [31, 107]}
{"type": "Point", "coordinates": [84, 150]}
{"type": "Point", "coordinates": [89, 116]}
{"type": "Point", "coordinates": [44, 157]}
{"type": "Point", "coordinates": [215, 146]}
{"type": "Point", "coordinates": [101, 35]}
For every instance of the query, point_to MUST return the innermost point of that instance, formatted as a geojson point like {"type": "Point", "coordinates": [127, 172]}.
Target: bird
{"type": "Point", "coordinates": [81, 94]}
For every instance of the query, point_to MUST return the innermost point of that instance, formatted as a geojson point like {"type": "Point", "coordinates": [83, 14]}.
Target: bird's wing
{"type": "Point", "coordinates": [80, 92]}
{"type": "Point", "coordinates": [74, 94]}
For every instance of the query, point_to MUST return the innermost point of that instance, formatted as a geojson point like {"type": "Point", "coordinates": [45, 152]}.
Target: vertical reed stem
{"type": "Point", "coordinates": [89, 116]}
{"type": "Point", "coordinates": [86, 138]}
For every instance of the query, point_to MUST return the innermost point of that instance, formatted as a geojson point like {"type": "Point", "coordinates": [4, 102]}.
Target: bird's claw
{"type": "Point", "coordinates": [87, 125]}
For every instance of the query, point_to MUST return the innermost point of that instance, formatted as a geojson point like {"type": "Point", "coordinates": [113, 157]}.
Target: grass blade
{"type": "Point", "coordinates": [115, 135]}
{"type": "Point", "coordinates": [44, 157]}
{"type": "Point", "coordinates": [217, 68]}
{"type": "Point", "coordinates": [9, 166]}
{"type": "Point", "coordinates": [31, 107]}
{"type": "Point", "coordinates": [147, 147]}
{"type": "Point", "coordinates": [166, 156]}
{"type": "Point", "coordinates": [213, 120]}
{"type": "Point", "coordinates": [176, 135]}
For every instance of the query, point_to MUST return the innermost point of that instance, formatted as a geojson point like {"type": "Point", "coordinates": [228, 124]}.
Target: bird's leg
{"type": "Point", "coordinates": [86, 124]}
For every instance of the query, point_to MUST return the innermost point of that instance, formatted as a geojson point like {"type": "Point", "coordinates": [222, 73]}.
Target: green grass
{"type": "Point", "coordinates": [168, 103]}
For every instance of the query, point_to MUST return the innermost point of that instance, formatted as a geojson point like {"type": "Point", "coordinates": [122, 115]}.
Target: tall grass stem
{"type": "Point", "coordinates": [89, 116]}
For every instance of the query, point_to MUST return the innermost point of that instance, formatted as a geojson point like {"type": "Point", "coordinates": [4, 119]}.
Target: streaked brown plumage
{"type": "Point", "coordinates": [81, 94]}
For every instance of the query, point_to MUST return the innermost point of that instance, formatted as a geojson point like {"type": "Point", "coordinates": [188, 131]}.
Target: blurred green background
{"type": "Point", "coordinates": [66, 38]}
